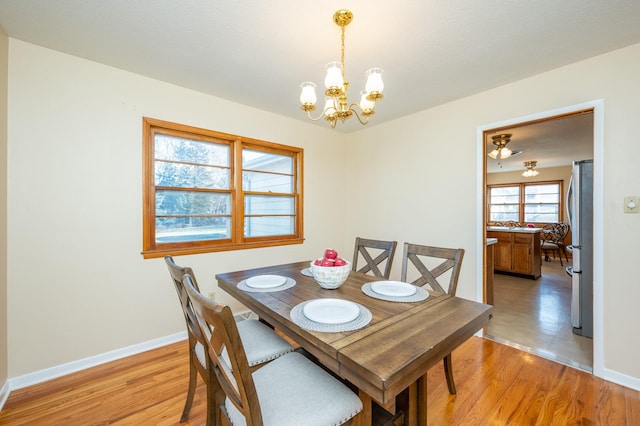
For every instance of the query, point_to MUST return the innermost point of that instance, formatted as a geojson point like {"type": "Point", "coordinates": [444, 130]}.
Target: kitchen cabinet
{"type": "Point", "coordinates": [517, 251]}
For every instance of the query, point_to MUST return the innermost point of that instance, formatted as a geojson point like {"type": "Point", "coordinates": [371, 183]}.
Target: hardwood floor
{"type": "Point", "coordinates": [535, 316]}
{"type": "Point", "coordinates": [497, 385]}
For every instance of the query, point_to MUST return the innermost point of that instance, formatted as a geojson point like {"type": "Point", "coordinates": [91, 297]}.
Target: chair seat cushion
{"type": "Point", "coordinates": [548, 245]}
{"type": "Point", "coordinates": [293, 391]}
{"type": "Point", "coordinates": [261, 343]}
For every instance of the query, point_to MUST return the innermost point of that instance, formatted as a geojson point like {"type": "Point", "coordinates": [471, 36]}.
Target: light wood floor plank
{"type": "Point", "coordinates": [497, 385]}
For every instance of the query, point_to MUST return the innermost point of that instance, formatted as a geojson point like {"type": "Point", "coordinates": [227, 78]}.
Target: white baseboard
{"type": "Point", "coordinates": [72, 367]}
{"type": "Point", "coordinates": [75, 366]}
{"type": "Point", "coordinates": [4, 394]}
{"type": "Point", "coordinates": [622, 379]}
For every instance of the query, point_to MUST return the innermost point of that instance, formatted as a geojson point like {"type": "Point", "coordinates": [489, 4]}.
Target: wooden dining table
{"type": "Point", "coordinates": [388, 359]}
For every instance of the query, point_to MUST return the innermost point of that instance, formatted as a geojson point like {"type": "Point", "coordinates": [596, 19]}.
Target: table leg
{"type": "Point", "coordinates": [411, 406]}
{"type": "Point", "coordinates": [422, 400]}
{"type": "Point", "coordinates": [366, 415]}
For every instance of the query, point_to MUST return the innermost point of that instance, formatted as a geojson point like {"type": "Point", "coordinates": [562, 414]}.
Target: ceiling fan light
{"type": "Point", "coordinates": [505, 153]}
{"type": "Point", "coordinates": [494, 154]}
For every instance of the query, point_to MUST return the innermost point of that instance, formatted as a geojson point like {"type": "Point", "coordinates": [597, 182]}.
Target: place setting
{"type": "Point", "coordinates": [266, 283]}
{"type": "Point", "coordinates": [395, 291]}
{"type": "Point", "coordinates": [330, 315]}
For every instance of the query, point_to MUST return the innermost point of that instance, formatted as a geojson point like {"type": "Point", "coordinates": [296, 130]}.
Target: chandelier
{"type": "Point", "coordinates": [501, 151]}
{"type": "Point", "coordinates": [336, 106]}
{"type": "Point", "coordinates": [530, 172]}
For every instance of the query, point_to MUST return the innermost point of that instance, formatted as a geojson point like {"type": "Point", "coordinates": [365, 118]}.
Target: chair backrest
{"type": "Point", "coordinates": [374, 253]}
{"type": "Point", "coordinates": [177, 274]}
{"type": "Point", "coordinates": [555, 232]}
{"type": "Point", "coordinates": [431, 263]}
{"type": "Point", "coordinates": [232, 371]}
{"type": "Point", "coordinates": [509, 224]}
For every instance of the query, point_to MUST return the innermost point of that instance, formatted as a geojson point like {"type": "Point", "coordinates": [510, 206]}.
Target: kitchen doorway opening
{"type": "Point", "coordinates": [534, 315]}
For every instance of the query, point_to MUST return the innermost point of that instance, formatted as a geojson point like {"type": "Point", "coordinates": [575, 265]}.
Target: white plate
{"type": "Point", "coordinates": [393, 288]}
{"type": "Point", "coordinates": [307, 272]}
{"type": "Point", "coordinates": [266, 281]}
{"type": "Point", "coordinates": [331, 311]}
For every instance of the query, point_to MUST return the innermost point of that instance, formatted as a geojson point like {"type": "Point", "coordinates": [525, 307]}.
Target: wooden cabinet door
{"type": "Point", "coordinates": [501, 251]}
{"type": "Point", "coordinates": [523, 254]}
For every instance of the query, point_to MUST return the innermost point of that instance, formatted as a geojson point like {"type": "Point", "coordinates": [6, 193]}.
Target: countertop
{"type": "Point", "coordinates": [520, 230]}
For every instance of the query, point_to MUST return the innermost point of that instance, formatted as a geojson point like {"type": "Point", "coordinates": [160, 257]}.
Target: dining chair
{"type": "Point", "coordinates": [367, 249]}
{"type": "Point", "coordinates": [262, 344]}
{"type": "Point", "coordinates": [553, 235]}
{"type": "Point", "coordinates": [429, 264]}
{"type": "Point", "coordinates": [290, 390]}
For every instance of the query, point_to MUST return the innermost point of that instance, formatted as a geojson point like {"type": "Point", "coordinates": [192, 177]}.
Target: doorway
{"type": "Point", "coordinates": [544, 327]}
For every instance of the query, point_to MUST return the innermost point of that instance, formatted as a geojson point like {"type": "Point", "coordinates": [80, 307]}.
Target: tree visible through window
{"type": "Point", "coordinates": [210, 191]}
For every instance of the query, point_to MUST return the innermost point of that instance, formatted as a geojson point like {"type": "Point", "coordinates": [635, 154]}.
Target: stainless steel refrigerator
{"type": "Point", "coordinates": [580, 213]}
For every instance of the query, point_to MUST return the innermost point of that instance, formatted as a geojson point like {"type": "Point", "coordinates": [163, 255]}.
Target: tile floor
{"type": "Point", "coordinates": [535, 316]}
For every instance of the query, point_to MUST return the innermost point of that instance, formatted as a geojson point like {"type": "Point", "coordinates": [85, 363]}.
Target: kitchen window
{"type": "Point", "coordinates": [538, 202]}
{"type": "Point", "coordinates": [207, 191]}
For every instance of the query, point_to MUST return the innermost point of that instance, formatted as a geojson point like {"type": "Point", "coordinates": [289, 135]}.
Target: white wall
{"type": "Point", "coordinates": [424, 169]}
{"type": "Point", "coordinates": [78, 285]}
{"type": "Point", "coordinates": [4, 68]}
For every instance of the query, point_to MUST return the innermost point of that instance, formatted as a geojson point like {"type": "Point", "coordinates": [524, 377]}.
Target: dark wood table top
{"type": "Point", "coordinates": [402, 341]}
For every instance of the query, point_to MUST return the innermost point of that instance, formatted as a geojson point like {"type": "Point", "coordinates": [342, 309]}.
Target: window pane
{"type": "Point", "coordinates": [266, 162]}
{"type": "Point", "coordinates": [267, 182]}
{"type": "Point", "coordinates": [542, 203]}
{"type": "Point", "coordinates": [267, 205]}
{"type": "Point", "coordinates": [541, 213]}
{"type": "Point", "coordinates": [181, 229]}
{"type": "Point", "coordinates": [173, 148]}
{"type": "Point", "coordinates": [190, 176]}
{"type": "Point", "coordinates": [262, 226]}
{"type": "Point", "coordinates": [191, 203]}
{"type": "Point", "coordinates": [505, 204]}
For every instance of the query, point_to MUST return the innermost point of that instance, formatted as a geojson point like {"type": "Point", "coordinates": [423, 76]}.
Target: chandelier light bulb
{"type": "Point", "coordinates": [308, 93]}
{"type": "Point", "coordinates": [374, 81]}
{"type": "Point", "coordinates": [329, 107]}
{"type": "Point", "coordinates": [366, 104]}
{"type": "Point", "coordinates": [334, 76]}
{"type": "Point", "coordinates": [505, 153]}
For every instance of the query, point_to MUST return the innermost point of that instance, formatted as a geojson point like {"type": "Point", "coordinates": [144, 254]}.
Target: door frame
{"type": "Point", "coordinates": [598, 214]}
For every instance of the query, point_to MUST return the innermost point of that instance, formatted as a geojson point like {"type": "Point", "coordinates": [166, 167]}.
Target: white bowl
{"type": "Point", "coordinates": [330, 277]}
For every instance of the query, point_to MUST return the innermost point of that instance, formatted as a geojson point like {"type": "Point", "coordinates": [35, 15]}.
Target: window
{"type": "Point", "coordinates": [542, 202]}
{"type": "Point", "coordinates": [538, 202]}
{"type": "Point", "coordinates": [505, 203]}
{"type": "Point", "coordinates": [207, 191]}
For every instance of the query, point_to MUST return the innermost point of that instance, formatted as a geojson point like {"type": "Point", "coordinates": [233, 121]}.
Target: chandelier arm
{"type": "Point", "coordinates": [317, 118]}
{"type": "Point", "coordinates": [365, 115]}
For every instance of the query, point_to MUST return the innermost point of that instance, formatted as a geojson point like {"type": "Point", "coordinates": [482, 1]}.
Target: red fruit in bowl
{"type": "Point", "coordinates": [318, 262]}
{"type": "Point", "coordinates": [330, 254]}
{"type": "Point", "coordinates": [339, 262]}
{"type": "Point", "coordinates": [327, 262]}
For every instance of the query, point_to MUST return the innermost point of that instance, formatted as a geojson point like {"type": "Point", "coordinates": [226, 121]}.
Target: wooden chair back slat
{"type": "Point", "coordinates": [367, 248]}
{"type": "Point", "coordinates": [235, 379]}
{"type": "Point", "coordinates": [448, 260]}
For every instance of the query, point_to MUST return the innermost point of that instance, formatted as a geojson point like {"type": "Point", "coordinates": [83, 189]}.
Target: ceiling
{"type": "Point", "coordinates": [552, 143]}
{"type": "Point", "coordinates": [257, 53]}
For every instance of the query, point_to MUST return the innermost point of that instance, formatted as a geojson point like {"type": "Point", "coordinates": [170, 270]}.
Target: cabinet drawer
{"type": "Point", "coordinates": [522, 239]}
{"type": "Point", "coordinates": [503, 237]}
